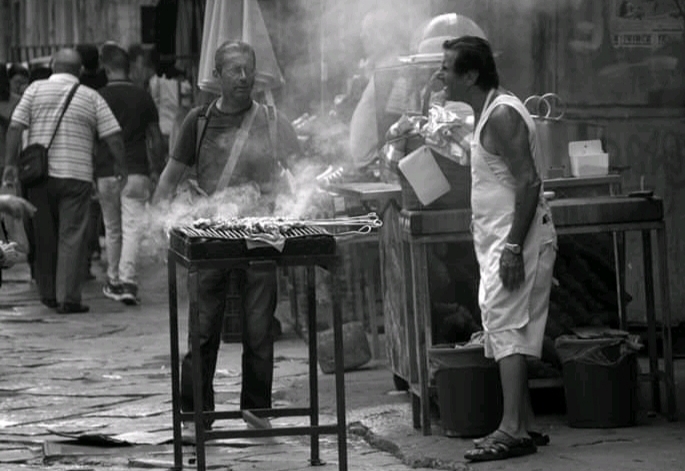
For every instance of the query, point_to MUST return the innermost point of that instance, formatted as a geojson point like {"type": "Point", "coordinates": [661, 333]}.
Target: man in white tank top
{"type": "Point", "coordinates": [513, 233]}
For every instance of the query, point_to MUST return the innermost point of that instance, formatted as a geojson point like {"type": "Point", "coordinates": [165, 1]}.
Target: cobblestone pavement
{"type": "Point", "coordinates": [104, 377]}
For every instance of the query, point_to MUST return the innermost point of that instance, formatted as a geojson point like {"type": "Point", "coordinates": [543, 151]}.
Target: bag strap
{"type": "Point", "coordinates": [272, 122]}
{"type": "Point", "coordinates": [64, 110]}
{"type": "Point", "coordinates": [238, 145]}
{"type": "Point", "coordinates": [201, 126]}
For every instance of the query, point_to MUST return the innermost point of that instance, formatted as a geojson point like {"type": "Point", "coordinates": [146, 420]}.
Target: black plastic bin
{"type": "Point", "coordinates": [600, 382]}
{"type": "Point", "coordinates": [469, 390]}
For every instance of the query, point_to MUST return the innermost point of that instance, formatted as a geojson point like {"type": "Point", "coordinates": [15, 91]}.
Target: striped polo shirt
{"type": "Point", "coordinates": [88, 115]}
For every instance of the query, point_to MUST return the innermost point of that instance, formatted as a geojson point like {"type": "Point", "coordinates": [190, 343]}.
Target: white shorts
{"type": "Point", "coordinates": [527, 340]}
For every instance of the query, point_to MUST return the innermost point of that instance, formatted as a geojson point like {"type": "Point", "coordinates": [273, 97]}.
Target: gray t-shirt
{"type": "Point", "coordinates": [256, 163]}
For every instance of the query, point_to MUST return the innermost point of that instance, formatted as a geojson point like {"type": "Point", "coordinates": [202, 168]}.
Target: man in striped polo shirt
{"type": "Point", "coordinates": [63, 200]}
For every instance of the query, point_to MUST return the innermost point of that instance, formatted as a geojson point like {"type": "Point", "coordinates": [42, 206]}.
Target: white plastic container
{"type": "Point", "coordinates": [588, 158]}
{"type": "Point", "coordinates": [424, 175]}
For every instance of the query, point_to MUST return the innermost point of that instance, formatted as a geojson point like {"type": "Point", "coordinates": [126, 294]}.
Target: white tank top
{"type": "Point", "coordinates": [492, 184]}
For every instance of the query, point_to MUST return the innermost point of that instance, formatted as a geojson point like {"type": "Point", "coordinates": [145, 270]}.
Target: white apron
{"type": "Point", "coordinates": [492, 203]}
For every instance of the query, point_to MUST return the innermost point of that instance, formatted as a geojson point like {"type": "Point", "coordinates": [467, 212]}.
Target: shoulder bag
{"type": "Point", "coordinates": [33, 160]}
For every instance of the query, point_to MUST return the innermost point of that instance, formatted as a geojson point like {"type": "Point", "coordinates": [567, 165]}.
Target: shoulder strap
{"type": "Point", "coordinates": [201, 126]}
{"type": "Point", "coordinates": [237, 148]}
{"type": "Point", "coordinates": [64, 110]}
{"type": "Point", "coordinates": [272, 122]}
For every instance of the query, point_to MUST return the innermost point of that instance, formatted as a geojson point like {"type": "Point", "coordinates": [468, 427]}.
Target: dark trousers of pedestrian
{"type": "Point", "coordinates": [93, 235]}
{"type": "Point", "coordinates": [59, 226]}
{"type": "Point", "coordinates": [259, 290]}
{"type": "Point", "coordinates": [30, 237]}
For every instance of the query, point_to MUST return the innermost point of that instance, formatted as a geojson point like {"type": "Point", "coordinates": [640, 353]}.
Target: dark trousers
{"type": "Point", "coordinates": [92, 236]}
{"type": "Point", "coordinates": [30, 237]}
{"type": "Point", "coordinates": [59, 227]}
{"type": "Point", "coordinates": [259, 288]}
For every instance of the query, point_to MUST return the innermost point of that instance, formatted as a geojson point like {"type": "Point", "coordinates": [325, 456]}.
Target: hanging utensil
{"type": "Point", "coordinates": [555, 132]}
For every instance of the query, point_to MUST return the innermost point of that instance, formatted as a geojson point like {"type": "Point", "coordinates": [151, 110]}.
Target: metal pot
{"type": "Point", "coordinates": [554, 133]}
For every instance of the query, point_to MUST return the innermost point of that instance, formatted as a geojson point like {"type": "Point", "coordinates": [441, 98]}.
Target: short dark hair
{"type": "Point", "coordinates": [474, 53]}
{"type": "Point", "coordinates": [89, 56]}
{"type": "Point", "coordinates": [229, 45]}
{"type": "Point", "coordinates": [115, 57]}
{"type": "Point", "coordinates": [17, 69]}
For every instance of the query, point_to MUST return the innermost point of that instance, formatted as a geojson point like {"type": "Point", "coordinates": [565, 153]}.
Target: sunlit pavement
{"type": "Point", "coordinates": [104, 377]}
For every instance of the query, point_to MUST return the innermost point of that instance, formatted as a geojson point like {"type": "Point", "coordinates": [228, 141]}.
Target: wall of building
{"type": "Point", "coordinates": [67, 22]}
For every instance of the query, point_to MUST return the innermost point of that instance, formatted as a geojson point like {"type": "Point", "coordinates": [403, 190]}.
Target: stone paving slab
{"type": "Point", "coordinates": [107, 372]}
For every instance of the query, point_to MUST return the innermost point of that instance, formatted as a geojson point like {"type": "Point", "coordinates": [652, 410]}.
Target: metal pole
{"type": "Point", "coordinates": [322, 63]}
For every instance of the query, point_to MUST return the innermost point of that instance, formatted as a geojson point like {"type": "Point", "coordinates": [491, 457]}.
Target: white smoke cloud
{"type": "Point", "coordinates": [307, 201]}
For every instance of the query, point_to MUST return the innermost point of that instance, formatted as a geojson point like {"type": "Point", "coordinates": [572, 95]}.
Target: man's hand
{"type": "Point", "coordinates": [121, 177]}
{"type": "Point", "coordinates": [10, 175]}
{"type": "Point", "coordinates": [511, 270]}
{"type": "Point", "coordinates": [16, 207]}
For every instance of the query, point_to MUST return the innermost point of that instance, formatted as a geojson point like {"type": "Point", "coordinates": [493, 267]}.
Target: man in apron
{"type": "Point", "coordinates": [236, 146]}
{"type": "Point", "coordinates": [513, 233]}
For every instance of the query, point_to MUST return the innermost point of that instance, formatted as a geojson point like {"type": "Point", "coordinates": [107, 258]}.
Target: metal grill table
{"type": "Point", "coordinates": [198, 249]}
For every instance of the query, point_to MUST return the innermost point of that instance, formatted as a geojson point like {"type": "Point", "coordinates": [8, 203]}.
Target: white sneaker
{"type": "Point", "coordinates": [254, 422]}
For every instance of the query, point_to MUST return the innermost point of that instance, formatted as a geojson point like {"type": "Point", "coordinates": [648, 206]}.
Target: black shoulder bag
{"type": "Point", "coordinates": [33, 160]}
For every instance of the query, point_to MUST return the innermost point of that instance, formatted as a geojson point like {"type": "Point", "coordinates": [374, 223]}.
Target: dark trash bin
{"type": "Point", "coordinates": [600, 381]}
{"type": "Point", "coordinates": [469, 390]}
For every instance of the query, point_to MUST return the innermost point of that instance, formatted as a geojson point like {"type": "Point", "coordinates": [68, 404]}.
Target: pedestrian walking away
{"type": "Point", "coordinates": [123, 205]}
{"type": "Point", "coordinates": [62, 197]}
{"type": "Point", "coordinates": [93, 76]}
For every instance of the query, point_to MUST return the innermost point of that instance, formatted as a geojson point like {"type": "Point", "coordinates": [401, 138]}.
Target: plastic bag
{"type": "Point", "coordinates": [449, 131]}
{"type": "Point", "coordinates": [604, 351]}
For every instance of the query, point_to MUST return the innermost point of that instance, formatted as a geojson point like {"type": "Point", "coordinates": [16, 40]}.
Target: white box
{"type": "Point", "coordinates": [424, 175]}
{"type": "Point", "coordinates": [588, 159]}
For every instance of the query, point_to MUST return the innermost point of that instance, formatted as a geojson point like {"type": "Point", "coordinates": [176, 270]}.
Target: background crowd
{"type": "Point", "coordinates": [113, 142]}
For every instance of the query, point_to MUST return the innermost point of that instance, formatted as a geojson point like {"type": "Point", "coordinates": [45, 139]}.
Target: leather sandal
{"type": "Point", "coordinates": [540, 439]}
{"type": "Point", "coordinates": [501, 446]}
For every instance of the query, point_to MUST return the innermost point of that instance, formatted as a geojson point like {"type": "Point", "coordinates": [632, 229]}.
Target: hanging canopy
{"type": "Point", "coordinates": [237, 20]}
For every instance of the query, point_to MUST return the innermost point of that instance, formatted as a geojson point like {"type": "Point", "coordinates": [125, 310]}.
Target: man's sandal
{"type": "Point", "coordinates": [540, 439]}
{"type": "Point", "coordinates": [501, 446]}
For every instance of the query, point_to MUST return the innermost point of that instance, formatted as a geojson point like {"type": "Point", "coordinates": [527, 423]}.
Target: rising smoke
{"type": "Point", "coordinates": [306, 201]}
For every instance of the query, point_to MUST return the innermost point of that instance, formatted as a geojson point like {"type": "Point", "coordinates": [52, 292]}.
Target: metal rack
{"type": "Point", "coordinates": [192, 253]}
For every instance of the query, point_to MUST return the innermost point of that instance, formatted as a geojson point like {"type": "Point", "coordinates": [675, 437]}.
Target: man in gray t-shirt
{"type": "Point", "coordinates": [207, 154]}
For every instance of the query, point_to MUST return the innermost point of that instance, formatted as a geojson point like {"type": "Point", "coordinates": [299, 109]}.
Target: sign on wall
{"type": "Point", "coordinates": [645, 23]}
{"type": "Point", "coordinates": [621, 53]}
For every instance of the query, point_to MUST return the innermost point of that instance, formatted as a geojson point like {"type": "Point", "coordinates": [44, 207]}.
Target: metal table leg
{"type": "Point", "coordinates": [315, 460]}
{"type": "Point", "coordinates": [198, 403]}
{"type": "Point", "coordinates": [669, 378]}
{"type": "Point", "coordinates": [175, 377]}
{"type": "Point", "coordinates": [651, 318]}
{"type": "Point", "coordinates": [410, 336]}
{"type": "Point", "coordinates": [422, 314]}
{"type": "Point", "coordinates": [339, 372]}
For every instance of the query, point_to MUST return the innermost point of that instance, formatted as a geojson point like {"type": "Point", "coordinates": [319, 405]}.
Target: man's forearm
{"type": "Point", "coordinates": [116, 146]}
{"type": "Point", "coordinates": [155, 146]}
{"type": "Point", "coordinates": [171, 176]}
{"type": "Point", "coordinates": [527, 198]}
{"type": "Point", "coordinates": [13, 145]}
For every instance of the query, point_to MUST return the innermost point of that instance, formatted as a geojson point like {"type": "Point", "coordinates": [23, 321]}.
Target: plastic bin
{"type": "Point", "coordinates": [600, 382]}
{"type": "Point", "coordinates": [469, 390]}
